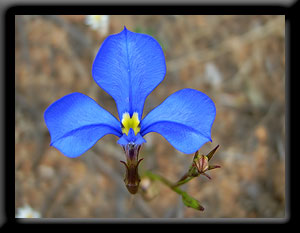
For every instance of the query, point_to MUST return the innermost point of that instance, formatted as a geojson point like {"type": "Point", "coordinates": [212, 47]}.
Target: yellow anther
{"type": "Point", "coordinates": [130, 122]}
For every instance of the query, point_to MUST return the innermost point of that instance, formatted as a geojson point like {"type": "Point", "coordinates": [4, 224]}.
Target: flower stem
{"type": "Point", "coordinates": [187, 199]}
{"type": "Point", "coordinates": [181, 182]}
{"type": "Point", "coordinates": [153, 176]}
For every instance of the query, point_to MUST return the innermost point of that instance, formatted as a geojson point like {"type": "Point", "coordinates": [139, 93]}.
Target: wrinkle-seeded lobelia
{"type": "Point", "coordinates": [129, 66]}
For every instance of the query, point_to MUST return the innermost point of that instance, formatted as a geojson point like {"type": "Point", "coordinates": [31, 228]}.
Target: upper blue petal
{"type": "Point", "coordinates": [184, 119]}
{"type": "Point", "coordinates": [129, 66]}
{"type": "Point", "coordinates": [76, 122]}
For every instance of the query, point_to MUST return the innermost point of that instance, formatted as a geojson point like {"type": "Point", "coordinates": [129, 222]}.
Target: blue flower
{"type": "Point", "coordinates": [129, 66]}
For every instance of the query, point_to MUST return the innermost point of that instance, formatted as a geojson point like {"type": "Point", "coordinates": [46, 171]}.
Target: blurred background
{"type": "Point", "coordinates": [238, 61]}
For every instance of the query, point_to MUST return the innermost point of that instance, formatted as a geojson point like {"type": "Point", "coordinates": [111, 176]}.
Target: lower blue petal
{"type": "Point", "coordinates": [184, 119]}
{"type": "Point", "coordinates": [76, 122]}
{"type": "Point", "coordinates": [131, 138]}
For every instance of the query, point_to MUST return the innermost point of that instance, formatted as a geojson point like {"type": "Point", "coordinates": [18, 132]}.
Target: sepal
{"type": "Point", "coordinates": [132, 178]}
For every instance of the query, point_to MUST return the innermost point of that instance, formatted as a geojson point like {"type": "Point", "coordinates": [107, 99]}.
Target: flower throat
{"type": "Point", "coordinates": [130, 122]}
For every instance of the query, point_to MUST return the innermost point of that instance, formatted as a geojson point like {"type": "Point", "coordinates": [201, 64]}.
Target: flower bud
{"type": "Point", "coordinates": [201, 163]}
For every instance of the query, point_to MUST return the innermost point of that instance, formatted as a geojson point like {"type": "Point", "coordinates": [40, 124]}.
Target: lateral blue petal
{"type": "Point", "coordinates": [76, 122]}
{"type": "Point", "coordinates": [184, 119]}
{"type": "Point", "coordinates": [129, 66]}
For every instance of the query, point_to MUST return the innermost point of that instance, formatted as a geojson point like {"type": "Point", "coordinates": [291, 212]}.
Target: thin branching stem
{"type": "Point", "coordinates": [172, 186]}
{"type": "Point", "coordinates": [187, 199]}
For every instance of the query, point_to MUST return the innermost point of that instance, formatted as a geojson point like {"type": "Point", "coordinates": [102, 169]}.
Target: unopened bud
{"type": "Point", "coordinates": [201, 163]}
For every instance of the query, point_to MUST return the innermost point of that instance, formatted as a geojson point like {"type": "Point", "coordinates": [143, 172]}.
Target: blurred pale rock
{"type": "Point", "coordinates": [27, 212]}
{"type": "Point", "coordinates": [98, 22]}
{"type": "Point", "coordinates": [46, 171]}
{"type": "Point", "coordinates": [212, 75]}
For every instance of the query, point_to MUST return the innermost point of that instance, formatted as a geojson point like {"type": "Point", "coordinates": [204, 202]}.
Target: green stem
{"type": "Point", "coordinates": [183, 181]}
{"type": "Point", "coordinates": [187, 199]}
{"type": "Point", "coordinates": [164, 181]}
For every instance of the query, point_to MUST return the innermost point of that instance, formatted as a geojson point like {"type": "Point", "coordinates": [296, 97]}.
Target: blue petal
{"type": "Point", "coordinates": [129, 66]}
{"type": "Point", "coordinates": [131, 138]}
{"type": "Point", "coordinates": [184, 119]}
{"type": "Point", "coordinates": [76, 122]}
